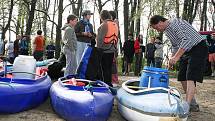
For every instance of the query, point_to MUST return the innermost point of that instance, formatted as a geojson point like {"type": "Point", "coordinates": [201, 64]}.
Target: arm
{"type": "Point", "coordinates": [101, 34]}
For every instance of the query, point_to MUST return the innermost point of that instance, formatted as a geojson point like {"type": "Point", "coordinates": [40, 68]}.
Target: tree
{"type": "Point", "coordinates": [30, 17]}
{"type": "Point", "coordinates": [203, 26]}
{"type": "Point", "coordinates": [6, 27]}
{"type": "Point", "coordinates": [189, 11]}
{"type": "Point", "coordinates": [126, 21]}
{"type": "Point", "coordinates": [58, 29]}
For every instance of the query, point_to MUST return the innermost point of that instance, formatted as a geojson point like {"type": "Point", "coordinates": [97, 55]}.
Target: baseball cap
{"type": "Point", "coordinates": [87, 12]}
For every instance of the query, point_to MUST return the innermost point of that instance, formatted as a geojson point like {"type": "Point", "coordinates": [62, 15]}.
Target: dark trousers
{"type": "Point", "coordinates": [106, 62]}
{"type": "Point", "coordinates": [38, 55]}
{"type": "Point", "coordinates": [138, 63]}
{"type": "Point", "coordinates": [158, 62]}
{"type": "Point", "coordinates": [151, 62]}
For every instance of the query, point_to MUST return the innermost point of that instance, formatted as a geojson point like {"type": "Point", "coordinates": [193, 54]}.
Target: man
{"type": "Point", "coordinates": [16, 46]}
{"type": "Point", "coordinates": [38, 46]}
{"type": "Point", "coordinates": [189, 48]}
{"type": "Point", "coordinates": [70, 45]}
{"type": "Point", "coordinates": [150, 52]}
{"type": "Point", "coordinates": [158, 52]}
{"type": "Point", "coordinates": [84, 33]}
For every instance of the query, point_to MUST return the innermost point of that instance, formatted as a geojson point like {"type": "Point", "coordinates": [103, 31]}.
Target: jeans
{"type": "Point", "coordinates": [80, 50]}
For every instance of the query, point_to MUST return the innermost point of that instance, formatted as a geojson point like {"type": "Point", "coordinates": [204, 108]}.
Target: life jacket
{"type": "Point", "coordinates": [111, 36]}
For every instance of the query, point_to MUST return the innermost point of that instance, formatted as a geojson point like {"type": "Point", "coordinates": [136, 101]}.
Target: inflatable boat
{"type": "Point", "coordinates": [19, 94]}
{"type": "Point", "coordinates": [81, 100]}
{"type": "Point", "coordinates": [9, 66]}
{"type": "Point", "coordinates": [137, 103]}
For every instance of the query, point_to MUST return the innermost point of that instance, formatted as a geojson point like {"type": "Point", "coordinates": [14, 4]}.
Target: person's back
{"type": "Point", "coordinates": [39, 42]}
{"type": "Point", "coordinates": [38, 46]}
{"type": "Point", "coordinates": [50, 49]}
{"type": "Point", "coordinates": [23, 46]}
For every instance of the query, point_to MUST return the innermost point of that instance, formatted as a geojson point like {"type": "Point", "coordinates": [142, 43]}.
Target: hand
{"type": "Point", "coordinates": [89, 34]}
{"type": "Point", "coordinates": [85, 33]}
{"type": "Point", "coordinates": [173, 60]}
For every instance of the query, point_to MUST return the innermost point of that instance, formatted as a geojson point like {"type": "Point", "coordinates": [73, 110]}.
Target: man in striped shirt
{"type": "Point", "coordinates": [189, 48]}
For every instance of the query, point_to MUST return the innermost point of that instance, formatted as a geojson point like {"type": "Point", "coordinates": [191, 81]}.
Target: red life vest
{"type": "Point", "coordinates": [111, 36]}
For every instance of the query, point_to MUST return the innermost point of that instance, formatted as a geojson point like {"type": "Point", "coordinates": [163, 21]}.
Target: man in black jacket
{"type": "Point", "coordinates": [84, 33]}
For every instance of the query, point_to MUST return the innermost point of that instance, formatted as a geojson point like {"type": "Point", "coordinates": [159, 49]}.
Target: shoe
{"type": "Point", "coordinates": [212, 74]}
{"type": "Point", "coordinates": [194, 108]}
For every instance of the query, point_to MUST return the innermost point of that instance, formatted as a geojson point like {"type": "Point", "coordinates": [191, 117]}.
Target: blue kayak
{"type": "Point", "coordinates": [88, 101]}
{"type": "Point", "coordinates": [22, 94]}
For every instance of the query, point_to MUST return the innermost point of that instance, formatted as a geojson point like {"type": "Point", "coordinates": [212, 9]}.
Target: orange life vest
{"type": "Point", "coordinates": [111, 36]}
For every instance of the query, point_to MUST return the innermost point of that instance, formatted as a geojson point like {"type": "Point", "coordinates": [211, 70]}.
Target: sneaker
{"type": "Point", "coordinates": [212, 74]}
{"type": "Point", "coordinates": [194, 108]}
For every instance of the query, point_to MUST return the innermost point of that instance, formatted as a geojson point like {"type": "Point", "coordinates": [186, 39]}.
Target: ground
{"type": "Point", "coordinates": [205, 97]}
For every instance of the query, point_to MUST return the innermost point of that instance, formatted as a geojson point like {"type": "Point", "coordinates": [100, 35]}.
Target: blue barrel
{"type": "Point", "coordinates": [154, 77]}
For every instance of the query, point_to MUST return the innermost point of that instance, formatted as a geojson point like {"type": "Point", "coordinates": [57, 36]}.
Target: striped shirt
{"type": "Point", "coordinates": [182, 35]}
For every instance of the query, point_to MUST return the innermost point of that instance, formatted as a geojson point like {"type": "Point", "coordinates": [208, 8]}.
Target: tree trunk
{"type": "Point", "coordinates": [77, 10]}
{"type": "Point", "coordinates": [46, 4]}
{"type": "Point", "coordinates": [58, 30]}
{"type": "Point", "coordinates": [53, 19]}
{"type": "Point", "coordinates": [213, 16]}
{"type": "Point", "coordinates": [177, 8]}
{"type": "Point", "coordinates": [138, 18]}
{"type": "Point", "coordinates": [203, 25]}
{"type": "Point", "coordinates": [190, 9]}
{"type": "Point", "coordinates": [126, 11]}
{"type": "Point", "coordinates": [4, 29]}
{"type": "Point", "coordinates": [133, 12]}
{"type": "Point", "coordinates": [30, 17]}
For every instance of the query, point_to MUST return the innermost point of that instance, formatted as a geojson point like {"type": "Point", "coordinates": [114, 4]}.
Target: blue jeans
{"type": "Point", "coordinates": [80, 50]}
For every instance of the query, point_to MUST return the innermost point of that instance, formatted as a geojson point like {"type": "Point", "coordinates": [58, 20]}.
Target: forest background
{"type": "Point", "coordinates": [25, 17]}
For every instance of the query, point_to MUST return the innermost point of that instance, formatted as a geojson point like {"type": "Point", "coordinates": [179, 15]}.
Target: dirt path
{"type": "Point", "coordinates": [205, 97]}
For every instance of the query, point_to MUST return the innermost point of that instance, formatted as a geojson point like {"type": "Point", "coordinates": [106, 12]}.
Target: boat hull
{"type": "Point", "coordinates": [80, 104]}
{"type": "Point", "coordinates": [150, 104]}
{"type": "Point", "coordinates": [22, 94]}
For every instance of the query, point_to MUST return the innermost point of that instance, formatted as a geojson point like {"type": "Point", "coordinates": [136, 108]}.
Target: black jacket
{"type": "Point", "coordinates": [80, 27]}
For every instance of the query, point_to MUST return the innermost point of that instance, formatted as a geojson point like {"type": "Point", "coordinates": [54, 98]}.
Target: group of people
{"type": "Point", "coordinates": [153, 53]}
{"type": "Point", "coordinates": [21, 46]}
{"type": "Point", "coordinates": [79, 34]}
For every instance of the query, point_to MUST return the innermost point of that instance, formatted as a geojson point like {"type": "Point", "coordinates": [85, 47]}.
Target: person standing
{"type": "Point", "coordinates": [10, 51]}
{"type": "Point", "coordinates": [128, 49]}
{"type": "Point", "coordinates": [70, 45]}
{"type": "Point", "coordinates": [158, 52]}
{"type": "Point", "coordinates": [23, 45]}
{"type": "Point", "coordinates": [150, 52]}
{"type": "Point", "coordinates": [211, 51]}
{"type": "Point", "coordinates": [50, 50]}
{"type": "Point", "coordinates": [115, 80]}
{"type": "Point", "coordinates": [106, 41]}
{"type": "Point", "coordinates": [38, 46]}
{"type": "Point", "coordinates": [16, 46]}
{"type": "Point", "coordinates": [189, 49]}
{"type": "Point", "coordinates": [138, 55]}
{"type": "Point", "coordinates": [84, 33]}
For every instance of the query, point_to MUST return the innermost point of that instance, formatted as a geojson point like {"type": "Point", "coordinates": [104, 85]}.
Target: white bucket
{"type": "Point", "coordinates": [25, 64]}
